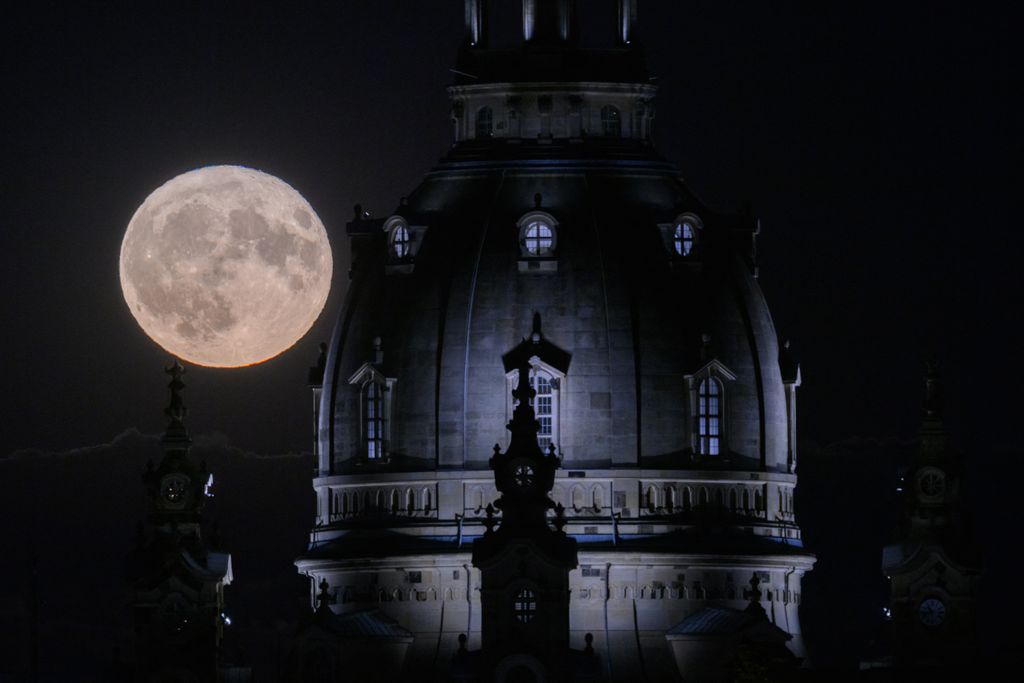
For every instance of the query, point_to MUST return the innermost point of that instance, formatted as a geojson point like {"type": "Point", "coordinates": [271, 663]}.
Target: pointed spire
{"type": "Point", "coordinates": [176, 409]}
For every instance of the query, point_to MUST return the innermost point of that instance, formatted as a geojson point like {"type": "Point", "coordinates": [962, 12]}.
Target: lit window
{"type": "Point", "coordinates": [373, 420]}
{"type": "Point", "coordinates": [611, 122]}
{"type": "Point", "coordinates": [538, 239]}
{"type": "Point", "coordinates": [525, 606]}
{"type": "Point", "coordinates": [544, 409]}
{"type": "Point", "coordinates": [683, 238]}
{"type": "Point", "coordinates": [709, 416]}
{"type": "Point", "coordinates": [484, 122]}
{"type": "Point", "coordinates": [400, 241]}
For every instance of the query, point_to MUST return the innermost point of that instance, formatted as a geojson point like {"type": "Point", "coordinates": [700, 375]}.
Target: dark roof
{"type": "Point", "coordinates": [370, 623]}
{"type": "Point", "coordinates": [713, 621]}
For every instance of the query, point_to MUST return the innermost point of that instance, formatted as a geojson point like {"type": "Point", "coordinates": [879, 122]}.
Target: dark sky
{"type": "Point", "coordinates": [871, 139]}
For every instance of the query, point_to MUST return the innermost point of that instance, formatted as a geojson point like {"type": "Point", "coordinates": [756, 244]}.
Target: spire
{"type": "Point", "coordinates": [176, 409]}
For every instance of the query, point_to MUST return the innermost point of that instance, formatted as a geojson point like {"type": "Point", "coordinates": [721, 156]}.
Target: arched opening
{"type": "Point", "coordinates": [651, 499]}
{"type": "Point", "coordinates": [611, 122]}
{"type": "Point", "coordinates": [484, 123]}
{"type": "Point", "coordinates": [683, 238]}
{"type": "Point", "coordinates": [427, 501]}
{"type": "Point", "coordinates": [597, 498]}
{"type": "Point", "coordinates": [577, 498]}
{"type": "Point", "coordinates": [396, 502]}
{"type": "Point", "coordinates": [670, 498]}
{"type": "Point", "coordinates": [410, 501]}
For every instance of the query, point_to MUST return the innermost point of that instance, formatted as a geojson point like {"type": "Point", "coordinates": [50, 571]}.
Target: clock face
{"type": "Point", "coordinates": [932, 483]}
{"type": "Point", "coordinates": [931, 612]}
{"type": "Point", "coordinates": [523, 475]}
{"type": "Point", "coordinates": [173, 488]}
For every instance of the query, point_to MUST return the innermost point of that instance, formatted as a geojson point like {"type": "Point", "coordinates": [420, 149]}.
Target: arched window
{"type": "Point", "coordinates": [577, 498]}
{"type": "Point", "coordinates": [373, 420]}
{"type": "Point", "coordinates": [400, 241]}
{"type": "Point", "coordinates": [670, 498]}
{"type": "Point", "coordinates": [484, 122]}
{"type": "Point", "coordinates": [396, 502]}
{"type": "Point", "coordinates": [344, 505]}
{"type": "Point", "coordinates": [683, 238]}
{"type": "Point", "coordinates": [597, 498]}
{"type": "Point", "coordinates": [538, 237]}
{"type": "Point", "coordinates": [611, 122]}
{"type": "Point", "coordinates": [427, 501]}
{"type": "Point", "coordinates": [410, 501]}
{"type": "Point", "coordinates": [709, 416]}
{"type": "Point", "coordinates": [651, 499]}
{"type": "Point", "coordinates": [687, 498]}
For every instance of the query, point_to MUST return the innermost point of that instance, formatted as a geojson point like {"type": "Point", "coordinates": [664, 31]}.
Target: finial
{"type": "Point", "coordinates": [551, 450]}
{"type": "Point", "coordinates": [705, 346]}
{"type": "Point", "coordinates": [497, 449]}
{"type": "Point", "coordinates": [323, 599]}
{"type": "Point", "coordinates": [538, 199]}
{"type": "Point", "coordinates": [754, 594]}
{"type": "Point", "coordinates": [490, 521]}
{"type": "Point", "coordinates": [785, 344]}
{"type": "Point", "coordinates": [559, 516]}
{"type": "Point", "coordinates": [462, 642]}
{"type": "Point", "coordinates": [378, 351]}
{"type": "Point", "coordinates": [176, 409]}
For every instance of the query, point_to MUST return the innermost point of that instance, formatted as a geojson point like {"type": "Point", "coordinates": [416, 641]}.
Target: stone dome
{"type": "Point", "coordinates": [552, 235]}
{"type": "Point", "coordinates": [625, 311]}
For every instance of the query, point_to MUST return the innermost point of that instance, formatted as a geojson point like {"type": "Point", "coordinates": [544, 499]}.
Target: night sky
{"type": "Point", "coordinates": [871, 140]}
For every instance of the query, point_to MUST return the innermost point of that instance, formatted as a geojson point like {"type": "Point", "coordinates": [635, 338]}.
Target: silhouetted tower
{"type": "Point", "coordinates": [933, 566]}
{"type": "Point", "coordinates": [177, 578]}
{"type": "Point", "coordinates": [525, 563]}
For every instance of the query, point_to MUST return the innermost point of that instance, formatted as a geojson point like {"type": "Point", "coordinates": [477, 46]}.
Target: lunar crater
{"type": "Point", "coordinates": [225, 266]}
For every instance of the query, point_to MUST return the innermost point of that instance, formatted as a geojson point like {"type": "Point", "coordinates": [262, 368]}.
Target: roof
{"type": "Point", "coordinates": [370, 623]}
{"type": "Point", "coordinates": [713, 621]}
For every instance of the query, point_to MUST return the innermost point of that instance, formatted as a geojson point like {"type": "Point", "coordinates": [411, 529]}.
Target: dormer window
{"type": "Point", "coordinates": [539, 237]}
{"type": "Point", "coordinates": [707, 409]}
{"type": "Point", "coordinates": [373, 420]}
{"type": "Point", "coordinates": [400, 241]}
{"type": "Point", "coordinates": [683, 238]}
{"type": "Point", "coordinates": [484, 123]}
{"type": "Point", "coordinates": [375, 398]}
{"type": "Point", "coordinates": [611, 122]}
{"type": "Point", "coordinates": [709, 417]}
{"type": "Point", "coordinates": [538, 241]}
{"type": "Point", "coordinates": [403, 242]}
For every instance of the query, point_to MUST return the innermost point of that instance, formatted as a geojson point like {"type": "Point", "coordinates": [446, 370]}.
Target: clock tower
{"type": "Point", "coordinates": [525, 562]}
{"type": "Point", "coordinates": [933, 566]}
{"type": "Point", "coordinates": [177, 576]}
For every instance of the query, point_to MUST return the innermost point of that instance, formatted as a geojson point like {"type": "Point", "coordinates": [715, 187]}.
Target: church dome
{"type": "Point", "coordinates": [594, 247]}
{"type": "Point", "coordinates": [552, 235]}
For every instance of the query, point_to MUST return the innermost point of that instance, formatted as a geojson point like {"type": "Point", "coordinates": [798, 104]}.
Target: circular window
{"type": "Point", "coordinates": [525, 606]}
{"type": "Point", "coordinates": [538, 238]}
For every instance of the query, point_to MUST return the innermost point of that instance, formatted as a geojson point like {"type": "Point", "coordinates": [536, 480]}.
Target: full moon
{"type": "Point", "coordinates": [225, 266]}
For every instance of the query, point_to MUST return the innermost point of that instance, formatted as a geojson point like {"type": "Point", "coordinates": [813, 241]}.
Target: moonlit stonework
{"type": "Point", "coordinates": [225, 266]}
